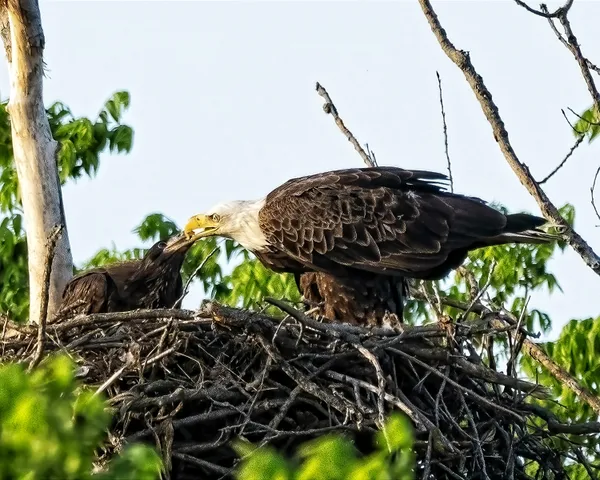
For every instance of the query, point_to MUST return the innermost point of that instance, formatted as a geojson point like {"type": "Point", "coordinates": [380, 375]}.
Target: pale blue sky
{"type": "Point", "coordinates": [224, 107]}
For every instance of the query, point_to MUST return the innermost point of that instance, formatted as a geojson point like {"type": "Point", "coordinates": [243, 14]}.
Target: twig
{"type": "Point", "coordinates": [201, 463]}
{"type": "Point", "coordinates": [445, 132]}
{"type": "Point", "coordinates": [489, 108]}
{"type": "Point", "coordinates": [341, 405]}
{"type": "Point", "coordinates": [388, 397]}
{"type": "Point", "coordinates": [381, 383]}
{"type": "Point", "coordinates": [330, 108]}
{"type": "Point", "coordinates": [192, 276]}
{"type": "Point", "coordinates": [542, 13]}
{"type": "Point", "coordinates": [477, 442]}
{"type": "Point", "coordinates": [578, 132]}
{"type": "Point", "coordinates": [136, 315]}
{"type": "Point", "coordinates": [562, 164]}
{"type": "Point", "coordinates": [112, 379]}
{"type": "Point", "coordinates": [48, 261]}
{"type": "Point", "coordinates": [457, 385]}
{"type": "Point", "coordinates": [517, 342]}
{"type": "Point", "coordinates": [427, 463]}
{"type": "Point", "coordinates": [592, 189]}
{"type": "Point", "coordinates": [583, 119]}
{"type": "Point", "coordinates": [575, 49]}
{"type": "Point", "coordinates": [563, 40]}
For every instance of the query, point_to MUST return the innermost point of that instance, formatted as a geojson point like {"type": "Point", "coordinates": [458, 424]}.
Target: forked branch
{"type": "Point", "coordinates": [490, 110]}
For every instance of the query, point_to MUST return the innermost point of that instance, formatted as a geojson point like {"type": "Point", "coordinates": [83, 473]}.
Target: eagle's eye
{"type": "Point", "coordinates": [215, 217]}
{"type": "Point", "coordinates": [162, 245]}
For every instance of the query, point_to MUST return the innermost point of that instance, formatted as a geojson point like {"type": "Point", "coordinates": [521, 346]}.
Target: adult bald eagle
{"type": "Point", "coordinates": [151, 282]}
{"type": "Point", "coordinates": [351, 236]}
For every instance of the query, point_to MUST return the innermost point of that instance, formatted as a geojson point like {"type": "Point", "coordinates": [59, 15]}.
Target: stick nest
{"type": "Point", "coordinates": [189, 382]}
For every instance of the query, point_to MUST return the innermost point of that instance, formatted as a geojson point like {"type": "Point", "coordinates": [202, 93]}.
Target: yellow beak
{"type": "Point", "coordinates": [197, 222]}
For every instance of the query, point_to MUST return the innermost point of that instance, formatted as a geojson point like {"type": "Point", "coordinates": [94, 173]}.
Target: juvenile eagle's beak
{"type": "Point", "coordinates": [179, 242]}
{"type": "Point", "coordinates": [204, 222]}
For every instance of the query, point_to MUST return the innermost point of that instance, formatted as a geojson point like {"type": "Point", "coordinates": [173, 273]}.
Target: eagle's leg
{"type": "Point", "coordinates": [359, 298]}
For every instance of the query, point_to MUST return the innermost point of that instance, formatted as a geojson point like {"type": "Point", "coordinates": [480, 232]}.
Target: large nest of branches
{"type": "Point", "coordinates": [191, 382]}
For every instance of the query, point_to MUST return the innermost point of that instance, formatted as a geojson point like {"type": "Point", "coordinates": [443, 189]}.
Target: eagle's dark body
{"type": "Point", "coordinates": [151, 282]}
{"type": "Point", "coordinates": [352, 236]}
{"type": "Point", "coordinates": [363, 298]}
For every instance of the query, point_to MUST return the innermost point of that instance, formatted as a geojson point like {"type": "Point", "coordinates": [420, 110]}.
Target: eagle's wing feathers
{"type": "Point", "coordinates": [392, 219]}
{"type": "Point", "coordinates": [86, 293]}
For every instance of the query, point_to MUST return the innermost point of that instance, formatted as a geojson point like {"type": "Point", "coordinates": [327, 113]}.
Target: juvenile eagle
{"type": "Point", "coordinates": [351, 236]}
{"type": "Point", "coordinates": [151, 282]}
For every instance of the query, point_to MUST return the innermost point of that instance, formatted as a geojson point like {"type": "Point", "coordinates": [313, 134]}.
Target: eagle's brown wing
{"type": "Point", "coordinates": [383, 220]}
{"type": "Point", "coordinates": [89, 292]}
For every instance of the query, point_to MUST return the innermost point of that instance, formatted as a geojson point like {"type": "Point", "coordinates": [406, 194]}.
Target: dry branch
{"type": "Point", "coordinates": [439, 79]}
{"type": "Point", "coordinates": [50, 249]}
{"type": "Point", "coordinates": [221, 372]}
{"type": "Point", "coordinates": [330, 108]}
{"type": "Point", "coordinates": [490, 110]}
{"type": "Point", "coordinates": [593, 195]}
{"type": "Point", "coordinates": [578, 142]}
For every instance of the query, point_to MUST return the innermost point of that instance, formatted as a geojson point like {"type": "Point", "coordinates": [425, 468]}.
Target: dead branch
{"type": "Point", "coordinates": [544, 13]}
{"type": "Point", "coordinates": [573, 45]}
{"type": "Point", "coordinates": [490, 110]}
{"type": "Point", "coordinates": [445, 132]}
{"type": "Point", "coordinates": [48, 261]}
{"type": "Point", "coordinates": [330, 108]}
{"type": "Point", "coordinates": [592, 194]}
{"type": "Point", "coordinates": [198, 269]}
{"type": "Point", "coordinates": [564, 160]}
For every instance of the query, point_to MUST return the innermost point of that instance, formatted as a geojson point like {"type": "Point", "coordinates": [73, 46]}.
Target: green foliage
{"type": "Point", "coordinates": [50, 428]}
{"type": "Point", "coordinates": [81, 143]}
{"type": "Point", "coordinates": [250, 282]}
{"type": "Point", "coordinates": [13, 268]}
{"type": "Point", "coordinates": [577, 350]}
{"type": "Point", "coordinates": [588, 124]}
{"type": "Point", "coordinates": [334, 457]}
{"type": "Point", "coordinates": [81, 140]}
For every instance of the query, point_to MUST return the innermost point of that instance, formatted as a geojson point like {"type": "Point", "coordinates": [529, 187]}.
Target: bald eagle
{"type": "Point", "coordinates": [353, 236]}
{"type": "Point", "coordinates": [153, 281]}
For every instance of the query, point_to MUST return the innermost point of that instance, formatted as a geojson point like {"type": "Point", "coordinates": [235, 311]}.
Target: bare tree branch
{"type": "Point", "coordinates": [445, 132]}
{"type": "Point", "coordinates": [562, 164]}
{"type": "Point", "coordinates": [592, 189]}
{"type": "Point", "coordinates": [490, 110]}
{"type": "Point", "coordinates": [41, 338]}
{"type": "Point", "coordinates": [330, 108]}
{"type": "Point", "coordinates": [589, 122]}
{"type": "Point", "coordinates": [198, 269]}
{"type": "Point", "coordinates": [542, 12]}
{"type": "Point", "coordinates": [575, 49]}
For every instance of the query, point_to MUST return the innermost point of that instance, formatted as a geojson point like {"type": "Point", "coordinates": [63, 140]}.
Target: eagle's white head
{"type": "Point", "coordinates": [236, 219]}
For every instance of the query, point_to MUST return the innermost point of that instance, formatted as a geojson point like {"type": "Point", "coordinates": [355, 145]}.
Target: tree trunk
{"type": "Point", "coordinates": [34, 152]}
